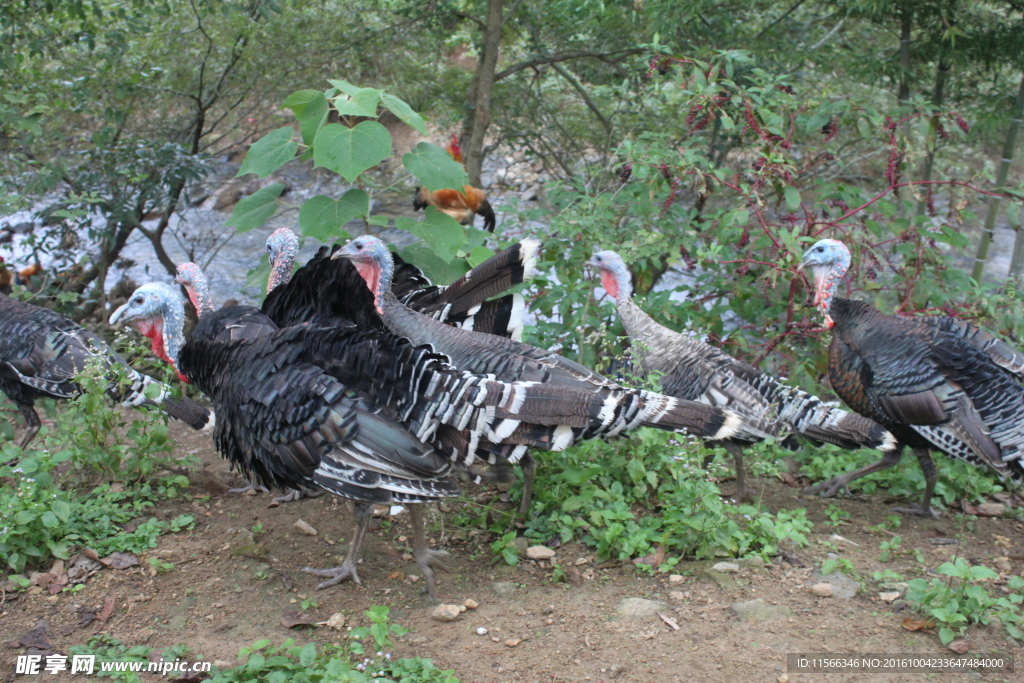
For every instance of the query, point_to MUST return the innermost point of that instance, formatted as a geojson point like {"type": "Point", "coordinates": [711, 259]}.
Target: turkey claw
{"type": "Point", "coordinates": [426, 561]}
{"type": "Point", "coordinates": [294, 495]}
{"type": "Point", "coordinates": [334, 575]}
{"type": "Point", "coordinates": [930, 513]}
{"type": "Point", "coordinates": [828, 488]}
{"type": "Point", "coordinates": [245, 489]}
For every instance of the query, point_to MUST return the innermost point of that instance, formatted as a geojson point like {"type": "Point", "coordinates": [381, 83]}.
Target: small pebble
{"type": "Point", "coordinates": [445, 613]}
{"type": "Point", "coordinates": [512, 642]}
{"type": "Point", "coordinates": [304, 528]}
{"type": "Point", "coordinates": [470, 603]}
{"type": "Point", "coordinates": [539, 552]}
{"type": "Point", "coordinates": [888, 598]}
{"type": "Point", "coordinates": [823, 590]}
{"type": "Point", "coordinates": [675, 578]}
{"type": "Point", "coordinates": [481, 631]}
{"type": "Point", "coordinates": [726, 567]}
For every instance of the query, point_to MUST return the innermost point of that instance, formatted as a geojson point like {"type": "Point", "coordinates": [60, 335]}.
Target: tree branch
{"type": "Point", "coordinates": [564, 73]}
{"type": "Point", "coordinates": [562, 57]}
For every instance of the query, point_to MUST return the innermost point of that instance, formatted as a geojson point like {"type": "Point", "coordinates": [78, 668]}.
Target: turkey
{"type": "Point", "coordinates": [696, 371]}
{"type": "Point", "coordinates": [328, 292]}
{"type": "Point", "coordinates": [285, 423]}
{"type": "Point", "coordinates": [192, 279]}
{"type": "Point", "coordinates": [511, 361]}
{"type": "Point", "coordinates": [253, 373]}
{"type": "Point", "coordinates": [937, 383]}
{"type": "Point", "coordinates": [41, 353]}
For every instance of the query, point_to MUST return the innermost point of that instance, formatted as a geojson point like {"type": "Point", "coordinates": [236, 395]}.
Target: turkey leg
{"type": "Point", "coordinates": [425, 558]}
{"type": "Point", "coordinates": [832, 486]}
{"type": "Point", "coordinates": [931, 476]}
{"type": "Point", "coordinates": [347, 570]}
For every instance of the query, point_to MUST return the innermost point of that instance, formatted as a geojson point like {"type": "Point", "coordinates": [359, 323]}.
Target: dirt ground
{"type": "Point", "coordinates": [228, 589]}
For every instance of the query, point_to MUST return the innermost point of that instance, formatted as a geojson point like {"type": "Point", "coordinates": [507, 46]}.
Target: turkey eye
{"type": "Point", "coordinates": [138, 301]}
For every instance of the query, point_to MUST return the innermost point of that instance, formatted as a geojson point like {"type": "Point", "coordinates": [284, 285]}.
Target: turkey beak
{"type": "Point", "coordinates": [116, 315]}
{"type": "Point", "coordinates": [341, 253]}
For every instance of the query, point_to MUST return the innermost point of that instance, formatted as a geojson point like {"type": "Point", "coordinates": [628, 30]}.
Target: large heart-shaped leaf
{"type": "Point", "coordinates": [256, 209]}
{"type": "Point", "coordinates": [312, 117]}
{"type": "Point", "coordinates": [298, 100]}
{"type": "Point", "coordinates": [435, 168]}
{"type": "Point", "coordinates": [434, 268]}
{"type": "Point", "coordinates": [361, 103]}
{"type": "Point", "coordinates": [269, 153]}
{"type": "Point", "coordinates": [350, 151]}
{"type": "Point", "coordinates": [403, 111]}
{"type": "Point", "coordinates": [322, 217]}
{"type": "Point", "coordinates": [439, 231]}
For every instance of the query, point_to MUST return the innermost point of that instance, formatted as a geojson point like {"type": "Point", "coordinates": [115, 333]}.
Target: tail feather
{"type": "Point", "coordinates": [502, 316]}
{"type": "Point", "coordinates": [490, 220]}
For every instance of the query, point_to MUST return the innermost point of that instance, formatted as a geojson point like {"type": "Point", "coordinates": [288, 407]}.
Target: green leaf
{"type": "Point", "coordinates": [307, 655]}
{"type": "Point", "coordinates": [322, 217]}
{"type": "Point", "coordinates": [378, 220]}
{"type": "Point", "coordinates": [363, 102]}
{"type": "Point", "coordinates": [350, 151]}
{"type": "Point", "coordinates": [269, 153]}
{"type": "Point", "coordinates": [312, 117]}
{"type": "Point", "coordinates": [256, 209]}
{"type": "Point", "coordinates": [61, 509]}
{"type": "Point", "coordinates": [260, 644]}
{"type": "Point", "coordinates": [478, 256]}
{"type": "Point", "coordinates": [298, 100]}
{"type": "Point", "coordinates": [403, 111]}
{"type": "Point", "coordinates": [50, 520]}
{"type": "Point", "coordinates": [435, 168]}
{"type": "Point", "coordinates": [344, 86]}
{"type": "Point", "coordinates": [434, 268]}
{"type": "Point", "coordinates": [792, 198]}
{"type": "Point", "coordinates": [152, 391]}
{"type": "Point", "coordinates": [441, 232]}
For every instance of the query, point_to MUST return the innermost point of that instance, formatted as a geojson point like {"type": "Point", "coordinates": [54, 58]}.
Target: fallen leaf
{"type": "Point", "coordinates": [655, 559]}
{"type": "Point", "coordinates": [397, 574]}
{"type": "Point", "coordinates": [91, 554]}
{"type": "Point", "coordinates": [968, 508]}
{"type": "Point", "coordinates": [286, 580]}
{"type": "Point", "coordinates": [959, 646]}
{"type": "Point", "coordinates": [292, 619]}
{"type": "Point", "coordinates": [934, 533]}
{"type": "Point", "coordinates": [788, 479]}
{"type": "Point", "coordinates": [87, 615]}
{"type": "Point", "coordinates": [58, 568]}
{"type": "Point", "coordinates": [120, 560]}
{"type": "Point", "coordinates": [35, 638]}
{"type": "Point", "coordinates": [671, 622]}
{"type": "Point", "coordinates": [108, 608]}
{"type": "Point", "coordinates": [916, 624]}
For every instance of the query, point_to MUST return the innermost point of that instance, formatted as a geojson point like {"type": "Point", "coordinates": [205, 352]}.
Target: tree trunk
{"type": "Point", "coordinates": [941, 76]}
{"type": "Point", "coordinates": [993, 202]}
{"type": "Point", "coordinates": [484, 86]}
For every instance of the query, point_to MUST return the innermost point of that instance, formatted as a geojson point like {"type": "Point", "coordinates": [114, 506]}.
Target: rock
{"type": "Point", "coordinates": [822, 590]}
{"type": "Point", "coordinates": [304, 528]}
{"type": "Point", "coordinates": [784, 678]}
{"type": "Point", "coordinates": [991, 509]}
{"type": "Point", "coordinates": [481, 631]}
{"type": "Point", "coordinates": [889, 598]}
{"type": "Point", "coordinates": [445, 613]}
{"type": "Point", "coordinates": [1002, 564]}
{"type": "Point", "coordinates": [638, 608]}
{"type": "Point", "coordinates": [253, 550]}
{"type": "Point", "coordinates": [470, 603]}
{"type": "Point", "coordinates": [462, 608]}
{"type": "Point", "coordinates": [842, 585]}
{"type": "Point", "coordinates": [895, 587]}
{"type": "Point", "coordinates": [675, 578]}
{"type": "Point", "coordinates": [959, 646]}
{"type": "Point", "coordinates": [222, 664]}
{"type": "Point", "coordinates": [677, 596]}
{"type": "Point", "coordinates": [504, 587]}
{"type": "Point", "coordinates": [759, 610]}
{"type": "Point", "coordinates": [726, 567]}
{"type": "Point", "coordinates": [723, 580]}
{"type": "Point", "coordinates": [540, 552]}
{"type": "Point", "coordinates": [337, 621]}
{"type": "Point", "coordinates": [755, 562]}
{"type": "Point", "coordinates": [512, 642]}
{"type": "Point", "coordinates": [520, 544]}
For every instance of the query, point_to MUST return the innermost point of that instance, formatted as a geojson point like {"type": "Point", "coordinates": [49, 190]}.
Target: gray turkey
{"type": "Point", "coordinates": [192, 279]}
{"type": "Point", "coordinates": [328, 292]}
{"type": "Point", "coordinates": [511, 361]}
{"type": "Point", "coordinates": [693, 370]}
{"type": "Point", "coordinates": [41, 353]}
{"type": "Point", "coordinates": [261, 378]}
{"type": "Point", "coordinates": [937, 383]}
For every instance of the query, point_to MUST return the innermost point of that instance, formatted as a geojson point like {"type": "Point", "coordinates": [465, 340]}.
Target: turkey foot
{"type": "Point", "coordinates": [347, 570]}
{"type": "Point", "coordinates": [335, 575]}
{"type": "Point", "coordinates": [245, 489]}
{"type": "Point", "coordinates": [830, 487]}
{"type": "Point", "coordinates": [294, 495]}
{"type": "Point", "coordinates": [928, 512]}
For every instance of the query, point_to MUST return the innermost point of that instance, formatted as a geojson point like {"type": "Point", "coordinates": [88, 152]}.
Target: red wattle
{"type": "Point", "coordinates": [610, 284]}
{"type": "Point", "coordinates": [370, 272]}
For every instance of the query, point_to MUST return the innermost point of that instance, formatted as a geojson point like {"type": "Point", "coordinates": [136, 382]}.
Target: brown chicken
{"type": "Point", "coordinates": [6, 277]}
{"type": "Point", "coordinates": [462, 206]}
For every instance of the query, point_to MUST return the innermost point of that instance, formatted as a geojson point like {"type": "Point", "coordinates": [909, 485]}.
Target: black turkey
{"type": "Point", "coordinates": [41, 353]}
{"type": "Point", "coordinates": [329, 292]}
{"type": "Point", "coordinates": [937, 383]}
{"type": "Point", "coordinates": [696, 371]}
{"type": "Point", "coordinates": [512, 361]}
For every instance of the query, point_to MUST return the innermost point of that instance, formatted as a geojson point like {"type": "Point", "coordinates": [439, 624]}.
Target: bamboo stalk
{"type": "Point", "coordinates": [993, 203]}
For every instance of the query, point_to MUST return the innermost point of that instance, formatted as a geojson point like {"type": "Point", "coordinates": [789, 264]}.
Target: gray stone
{"type": "Point", "coordinates": [638, 608]}
{"type": "Point", "coordinates": [540, 552]}
{"type": "Point", "coordinates": [759, 610]}
{"type": "Point", "coordinates": [726, 567]}
{"type": "Point", "coordinates": [894, 587]}
{"type": "Point", "coordinates": [842, 585]}
{"type": "Point", "coordinates": [991, 509]}
{"type": "Point", "coordinates": [521, 545]}
{"type": "Point", "coordinates": [723, 580]}
{"type": "Point", "coordinates": [823, 590]}
{"type": "Point", "coordinates": [755, 562]}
